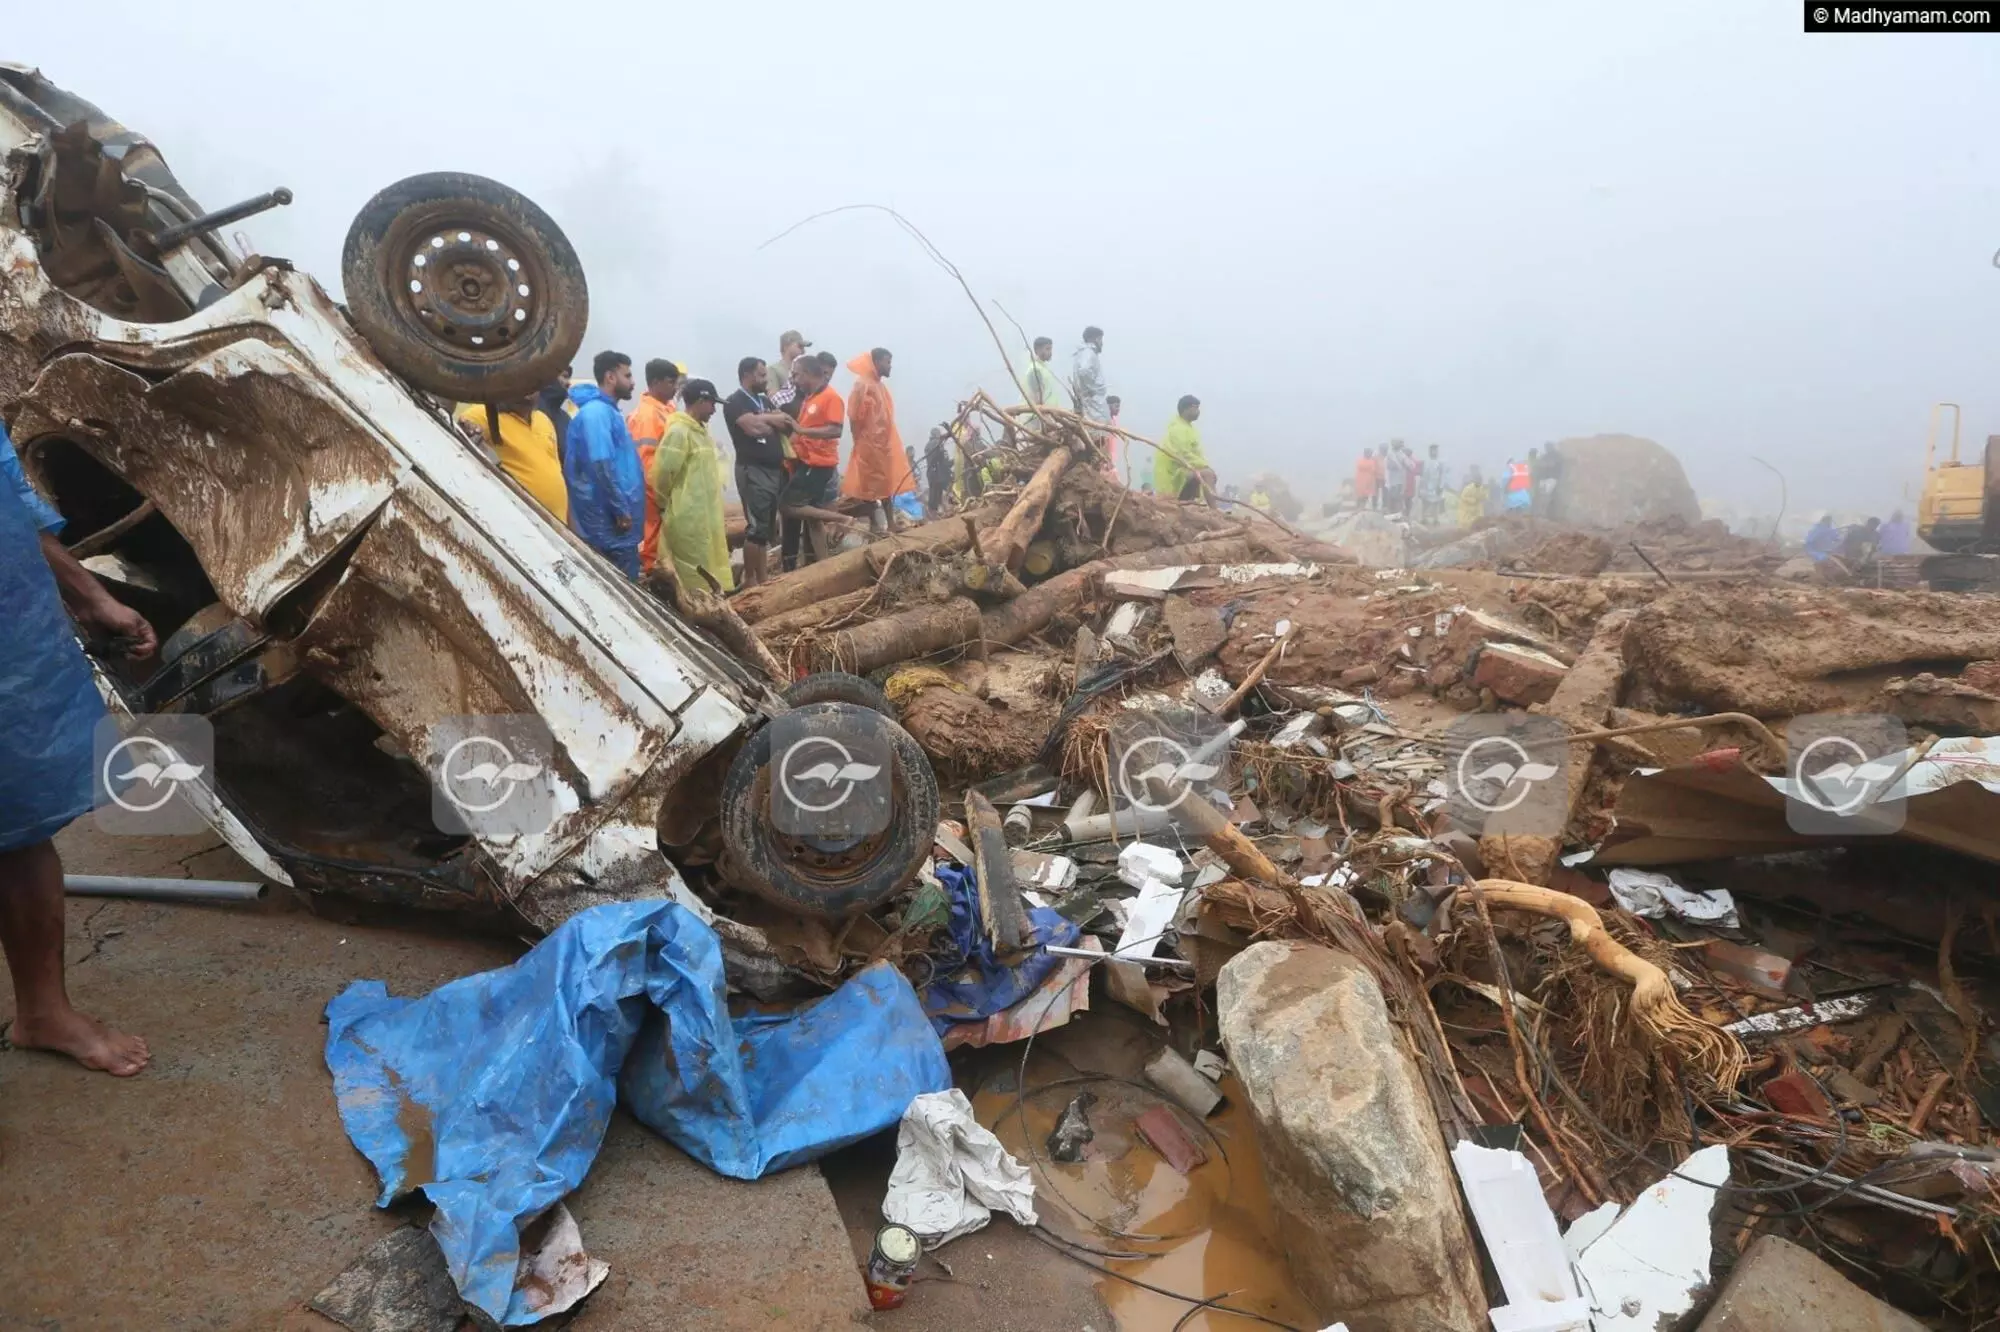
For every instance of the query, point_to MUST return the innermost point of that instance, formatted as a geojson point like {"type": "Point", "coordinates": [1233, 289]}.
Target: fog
{"type": "Point", "coordinates": [1458, 223]}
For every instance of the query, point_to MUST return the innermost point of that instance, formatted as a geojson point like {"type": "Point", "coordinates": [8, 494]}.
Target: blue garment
{"type": "Point", "coordinates": [493, 1092]}
{"type": "Point", "coordinates": [601, 468]}
{"type": "Point", "coordinates": [1519, 499]}
{"type": "Point", "coordinates": [971, 984]}
{"type": "Point", "coordinates": [1822, 540]}
{"type": "Point", "coordinates": [48, 704]}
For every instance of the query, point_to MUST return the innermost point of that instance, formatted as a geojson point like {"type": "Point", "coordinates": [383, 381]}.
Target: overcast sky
{"type": "Point", "coordinates": [1479, 225]}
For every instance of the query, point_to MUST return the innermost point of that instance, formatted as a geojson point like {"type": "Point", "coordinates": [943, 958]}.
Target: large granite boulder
{"type": "Point", "coordinates": [1358, 1172]}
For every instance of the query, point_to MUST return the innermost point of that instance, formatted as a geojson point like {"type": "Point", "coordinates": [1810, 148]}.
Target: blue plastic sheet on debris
{"type": "Point", "coordinates": [971, 984]}
{"type": "Point", "coordinates": [492, 1093]}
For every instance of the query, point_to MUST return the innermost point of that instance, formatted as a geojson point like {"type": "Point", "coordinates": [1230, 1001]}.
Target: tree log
{"type": "Point", "coordinates": [1033, 610]}
{"type": "Point", "coordinates": [904, 636]}
{"type": "Point", "coordinates": [775, 627]}
{"type": "Point", "coordinates": [849, 571]}
{"type": "Point", "coordinates": [1008, 543]}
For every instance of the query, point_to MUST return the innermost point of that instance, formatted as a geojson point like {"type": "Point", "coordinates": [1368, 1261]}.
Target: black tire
{"type": "Point", "coordinates": [839, 687]}
{"type": "Point", "coordinates": [466, 334]}
{"type": "Point", "coordinates": [812, 880]}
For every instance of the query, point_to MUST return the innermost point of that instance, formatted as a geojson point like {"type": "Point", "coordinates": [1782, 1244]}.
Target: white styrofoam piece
{"type": "Point", "coordinates": [1652, 1265]}
{"type": "Point", "coordinates": [1585, 1230]}
{"type": "Point", "coordinates": [1140, 861]}
{"type": "Point", "coordinates": [1149, 915]}
{"type": "Point", "coordinates": [1505, 1195]}
{"type": "Point", "coordinates": [1565, 1316]}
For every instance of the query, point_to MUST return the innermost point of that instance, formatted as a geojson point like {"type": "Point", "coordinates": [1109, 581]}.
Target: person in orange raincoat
{"type": "Point", "coordinates": [877, 470]}
{"type": "Point", "coordinates": [648, 424]}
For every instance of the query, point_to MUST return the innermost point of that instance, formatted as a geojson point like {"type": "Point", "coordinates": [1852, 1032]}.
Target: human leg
{"type": "Point", "coordinates": [31, 932]}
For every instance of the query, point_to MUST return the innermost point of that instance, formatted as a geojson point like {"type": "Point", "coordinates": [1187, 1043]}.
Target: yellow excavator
{"type": "Point", "coordinates": [1960, 508]}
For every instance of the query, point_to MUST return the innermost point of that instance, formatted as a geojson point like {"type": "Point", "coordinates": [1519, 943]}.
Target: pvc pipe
{"type": "Point", "coordinates": [163, 890]}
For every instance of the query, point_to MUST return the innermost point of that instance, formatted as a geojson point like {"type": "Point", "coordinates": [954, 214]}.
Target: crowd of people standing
{"type": "Point", "coordinates": [1393, 479]}
{"type": "Point", "coordinates": [646, 481]}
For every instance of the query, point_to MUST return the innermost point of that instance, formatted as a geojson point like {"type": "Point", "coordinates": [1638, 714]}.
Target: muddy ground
{"type": "Point", "coordinates": [217, 1191]}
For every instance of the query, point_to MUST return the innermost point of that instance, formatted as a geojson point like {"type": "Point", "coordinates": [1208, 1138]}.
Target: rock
{"type": "Point", "coordinates": [1376, 539]}
{"type": "Point", "coordinates": [1609, 481]}
{"type": "Point", "coordinates": [1518, 674]}
{"type": "Point", "coordinates": [1482, 547]}
{"type": "Point", "coordinates": [1359, 1178]}
{"type": "Point", "coordinates": [1779, 1287]}
{"type": "Point", "coordinates": [1798, 569]}
{"type": "Point", "coordinates": [1198, 631]}
{"type": "Point", "coordinates": [1361, 675]}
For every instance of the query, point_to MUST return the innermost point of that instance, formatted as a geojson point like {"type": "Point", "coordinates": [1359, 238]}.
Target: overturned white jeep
{"type": "Point", "coordinates": [334, 571]}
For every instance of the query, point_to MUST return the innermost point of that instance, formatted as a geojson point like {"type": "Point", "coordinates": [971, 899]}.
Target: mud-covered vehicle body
{"type": "Point", "coordinates": [332, 568]}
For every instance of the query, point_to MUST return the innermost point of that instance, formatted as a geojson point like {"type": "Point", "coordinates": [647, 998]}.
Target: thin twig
{"type": "Point", "coordinates": [936, 256]}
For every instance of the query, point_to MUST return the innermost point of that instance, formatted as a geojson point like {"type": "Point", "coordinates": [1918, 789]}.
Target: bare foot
{"type": "Point", "coordinates": [85, 1040]}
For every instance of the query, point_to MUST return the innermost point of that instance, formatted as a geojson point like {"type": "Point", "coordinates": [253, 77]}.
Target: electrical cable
{"type": "Point", "coordinates": [1037, 1234]}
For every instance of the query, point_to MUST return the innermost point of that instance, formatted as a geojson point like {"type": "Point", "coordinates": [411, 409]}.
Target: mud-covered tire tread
{"type": "Point", "coordinates": [755, 867]}
{"type": "Point", "coordinates": [439, 196]}
{"type": "Point", "coordinates": [839, 687]}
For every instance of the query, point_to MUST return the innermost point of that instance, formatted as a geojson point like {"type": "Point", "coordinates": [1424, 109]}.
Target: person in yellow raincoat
{"type": "Point", "coordinates": [1472, 500]}
{"type": "Point", "coordinates": [1180, 468]}
{"type": "Point", "coordinates": [877, 470]}
{"type": "Point", "coordinates": [686, 482]}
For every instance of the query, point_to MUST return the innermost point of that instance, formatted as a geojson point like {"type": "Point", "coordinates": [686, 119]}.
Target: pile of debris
{"type": "Point", "coordinates": [1203, 768]}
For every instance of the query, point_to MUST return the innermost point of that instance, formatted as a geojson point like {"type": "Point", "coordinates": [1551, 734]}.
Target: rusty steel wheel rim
{"type": "Point", "coordinates": [472, 288]}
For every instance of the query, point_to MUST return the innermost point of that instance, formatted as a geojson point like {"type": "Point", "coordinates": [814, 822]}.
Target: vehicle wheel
{"type": "Point", "coordinates": [464, 287]}
{"type": "Point", "coordinates": [839, 687]}
{"type": "Point", "coordinates": [828, 879]}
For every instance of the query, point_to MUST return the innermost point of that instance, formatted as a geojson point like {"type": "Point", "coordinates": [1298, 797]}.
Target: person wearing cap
{"type": "Point", "coordinates": [1180, 468]}
{"type": "Point", "coordinates": [758, 431]}
{"type": "Point", "coordinates": [877, 471]}
{"type": "Point", "coordinates": [686, 486]}
{"type": "Point", "coordinates": [792, 344]}
{"type": "Point", "coordinates": [647, 423]}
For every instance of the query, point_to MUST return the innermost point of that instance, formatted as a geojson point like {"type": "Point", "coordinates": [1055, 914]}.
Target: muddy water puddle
{"type": "Point", "coordinates": [1207, 1234]}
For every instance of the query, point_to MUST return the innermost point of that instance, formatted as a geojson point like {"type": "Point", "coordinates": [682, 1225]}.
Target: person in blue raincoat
{"type": "Point", "coordinates": [607, 486]}
{"type": "Point", "coordinates": [48, 711]}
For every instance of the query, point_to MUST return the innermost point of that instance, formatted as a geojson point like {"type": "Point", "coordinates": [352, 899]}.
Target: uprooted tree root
{"type": "Point", "coordinates": [1708, 1050]}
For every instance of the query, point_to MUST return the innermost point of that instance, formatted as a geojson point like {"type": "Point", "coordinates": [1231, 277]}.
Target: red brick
{"type": "Point", "coordinates": [1518, 674]}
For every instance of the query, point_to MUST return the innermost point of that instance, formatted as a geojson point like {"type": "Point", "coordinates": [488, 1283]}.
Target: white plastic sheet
{"type": "Point", "coordinates": [951, 1173]}
{"type": "Point", "coordinates": [1644, 893]}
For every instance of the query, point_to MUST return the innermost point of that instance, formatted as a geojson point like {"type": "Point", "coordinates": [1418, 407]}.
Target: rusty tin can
{"type": "Point", "coordinates": [891, 1264]}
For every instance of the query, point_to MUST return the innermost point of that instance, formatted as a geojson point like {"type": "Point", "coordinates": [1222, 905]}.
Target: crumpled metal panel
{"type": "Point", "coordinates": [240, 451]}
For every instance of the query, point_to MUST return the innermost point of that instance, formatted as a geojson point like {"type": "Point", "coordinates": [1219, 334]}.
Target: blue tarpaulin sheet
{"type": "Point", "coordinates": [491, 1094]}
{"type": "Point", "coordinates": [971, 983]}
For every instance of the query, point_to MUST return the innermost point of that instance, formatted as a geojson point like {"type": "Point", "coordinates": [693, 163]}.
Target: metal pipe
{"type": "Point", "coordinates": [183, 231]}
{"type": "Point", "coordinates": [162, 890]}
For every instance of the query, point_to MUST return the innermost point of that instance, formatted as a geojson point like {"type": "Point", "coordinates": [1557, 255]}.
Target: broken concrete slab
{"type": "Point", "coordinates": [1518, 674]}
{"type": "Point", "coordinates": [1353, 1157]}
{"type": "Point", "coordinates": [399, 1285]}
{"type": "Point", "coordinates": [1198, 630]}
{"type": "Point", "coordinates": [1780, 1287]}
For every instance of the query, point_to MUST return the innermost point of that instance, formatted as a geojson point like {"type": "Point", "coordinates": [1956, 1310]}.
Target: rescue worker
{"type": "Point", "coordinates": [1520, 486]}
{"type": "Point", "coordinates": [877, 471]}
{"type": "Point", "coordinates": [686, 483]}
{"type": "Point", "coordinates": [607, 491]}
{"type": "Point", "coordinates": [1472, 499]}
{"type": "Point", "coordinates": [1180, 468]}
{"type": "Point", "coordinates": [648, 423]}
